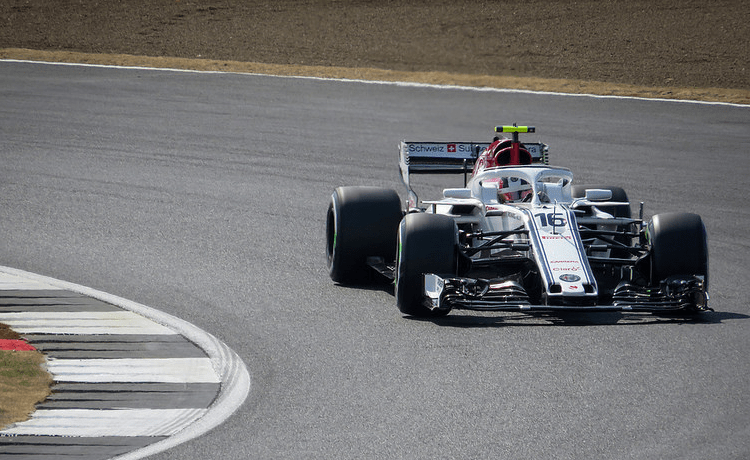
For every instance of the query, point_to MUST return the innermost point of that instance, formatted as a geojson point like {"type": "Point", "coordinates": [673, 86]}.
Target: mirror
{"type": "Point", "coordinates": [598, 194]}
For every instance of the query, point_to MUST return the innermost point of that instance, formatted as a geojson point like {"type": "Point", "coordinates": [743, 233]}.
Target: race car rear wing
{"type": "Point", "coordinates": [450, 157]}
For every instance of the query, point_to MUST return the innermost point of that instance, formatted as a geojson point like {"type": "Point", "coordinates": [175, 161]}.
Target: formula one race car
{"type": "Point", "coordinates": [519, 236]}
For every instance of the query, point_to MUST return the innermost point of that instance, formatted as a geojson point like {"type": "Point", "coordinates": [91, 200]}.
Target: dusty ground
{"type": "Point", "coordinates": [666, 48]}
{"type": "Point", "coordinates": [8, 333]}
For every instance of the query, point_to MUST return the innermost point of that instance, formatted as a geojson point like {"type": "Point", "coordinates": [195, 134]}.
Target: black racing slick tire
{"type": "Point", "coordinates": [427, 243]}
{"type": "Point", "coordinates": [618, 195]}
{"type": "Point", "coordinates": [361, 222]}
{"type": "Point", "coordinates": [678, 246]}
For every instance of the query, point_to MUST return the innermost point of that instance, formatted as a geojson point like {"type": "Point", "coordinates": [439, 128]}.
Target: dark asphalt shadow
{"type": "Point", "coordinates": [463, 320]}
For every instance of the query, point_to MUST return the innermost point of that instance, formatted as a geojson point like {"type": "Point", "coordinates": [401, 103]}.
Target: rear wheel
{"type": "Point", "coordinates": [361, 223]}
{"type": "Point", "coordinates": [426, 244]}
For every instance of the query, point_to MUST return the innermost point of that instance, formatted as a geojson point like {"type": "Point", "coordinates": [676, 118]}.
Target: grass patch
{"type": "Point", "coordinates": [23, 383]}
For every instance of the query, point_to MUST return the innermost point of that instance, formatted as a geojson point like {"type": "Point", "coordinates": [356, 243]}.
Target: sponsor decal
{"type": "Point", "coordinates": [551, 219]}
{"type": "Point", "coordinates": [570, 278]}
{"type": "Point", "coordinates": [421, 148]}
{"type": "Point", "coordinates": [437, 149]}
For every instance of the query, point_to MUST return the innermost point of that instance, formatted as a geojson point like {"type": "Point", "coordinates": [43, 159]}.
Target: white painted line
{"type": "Point", "coordinates": [94, 322]}
{"type": "Point", "coordinates": [98, 330]}
{"type": "Point", "coordinates": [10, 281]}
{"type": "Point", "coordinates": [97, 422]}
{"type": "Point", "coordinates": [72, 316]}
{"type": "Point", "coordinates": [391, 83]}
{"type": "Point", "coordinates": [170, 370]}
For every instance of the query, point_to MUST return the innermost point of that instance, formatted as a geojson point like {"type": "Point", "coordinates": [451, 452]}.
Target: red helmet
{"type": "Point", "coordinates": [500, 153]}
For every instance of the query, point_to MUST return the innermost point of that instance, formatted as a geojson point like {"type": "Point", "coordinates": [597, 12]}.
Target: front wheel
{"type": "Point", "coordinates": [427, 243]}
{"type": "Point", "coordinates": [679, 251]}
{"type": "Point", "coordinates": [678, 246]}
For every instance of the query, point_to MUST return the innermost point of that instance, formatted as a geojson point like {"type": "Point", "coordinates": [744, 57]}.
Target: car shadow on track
{"type": "Point", "coordinates": [503, 319]}
{"type": "Point", "coordinates": [484, 320]}
{"type": "Point", "coordinates": [375, 285]}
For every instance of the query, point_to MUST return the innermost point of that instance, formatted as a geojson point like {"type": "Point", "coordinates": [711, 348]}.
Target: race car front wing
{"type": "Point", "coordinates": [672, 295]}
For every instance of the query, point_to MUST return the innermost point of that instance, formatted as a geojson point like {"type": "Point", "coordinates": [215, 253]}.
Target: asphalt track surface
{"type": "Point", "coordinates": [204, 195]}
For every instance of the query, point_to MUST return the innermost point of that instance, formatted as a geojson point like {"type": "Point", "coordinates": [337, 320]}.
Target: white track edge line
{"type": "Point", "coordinates": [390, 83]}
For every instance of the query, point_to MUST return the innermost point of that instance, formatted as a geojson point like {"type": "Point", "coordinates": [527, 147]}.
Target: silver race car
{"type": "Point", "coordinates": [519, 236]}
